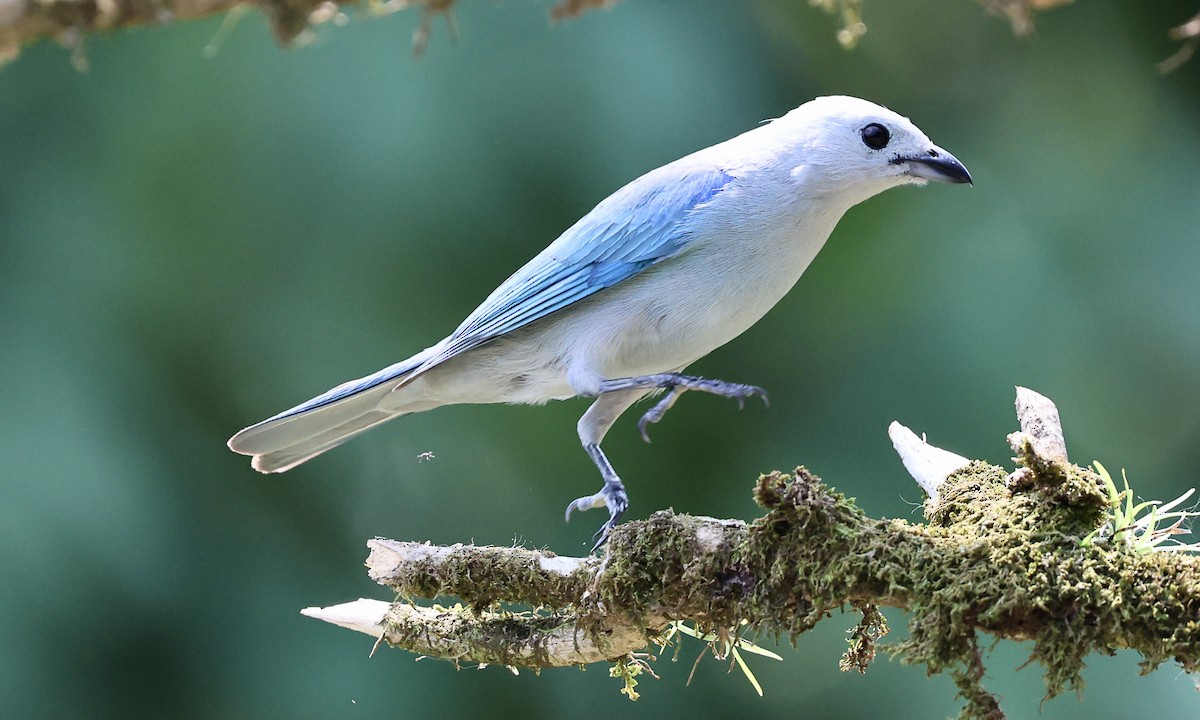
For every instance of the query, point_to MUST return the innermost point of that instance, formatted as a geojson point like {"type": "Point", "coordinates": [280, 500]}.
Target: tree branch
{"type": "Point", "coordinates": [1005, 558]}
{"type": "Point", "coordinates": [1188, 35]}
{"type": "Point", "coordinates": [71, 21]}
{"type": "Point", "coordinates": [24, 21]}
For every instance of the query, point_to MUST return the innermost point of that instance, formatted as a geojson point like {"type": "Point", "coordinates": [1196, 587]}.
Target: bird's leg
{"type": "Point", "coordinates": [592, 427]}
{"type": "Point", "coordinates": [677, 385]}
{"type": "Point", "coordinates": [612, 495]}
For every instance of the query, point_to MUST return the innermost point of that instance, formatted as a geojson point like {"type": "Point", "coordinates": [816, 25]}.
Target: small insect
{"type": "Point", "coordinates": [427, 455]}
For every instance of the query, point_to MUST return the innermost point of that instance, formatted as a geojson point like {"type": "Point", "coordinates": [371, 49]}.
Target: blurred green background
{"type": "Point", "coordinates": [189, 245]}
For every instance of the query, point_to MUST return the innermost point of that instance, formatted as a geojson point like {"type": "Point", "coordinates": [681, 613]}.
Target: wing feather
{"type": "Point", "coordinates": [638, 226]}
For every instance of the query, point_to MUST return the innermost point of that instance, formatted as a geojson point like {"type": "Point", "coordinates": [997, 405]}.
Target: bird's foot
{"type": "Point", "coordinates": [656, 413]}
{"type": "Point", "coordinates": [677, 385]}
{"type": "Point", "coordinates": [612, 496]}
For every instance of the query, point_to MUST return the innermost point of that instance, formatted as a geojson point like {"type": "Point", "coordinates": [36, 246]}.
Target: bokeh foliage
{"type": "Point", "coordinates": [188, 245]}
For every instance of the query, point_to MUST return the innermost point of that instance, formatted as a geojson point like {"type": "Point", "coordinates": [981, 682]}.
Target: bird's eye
{"type": "Point", "coordinates": [876, 136]}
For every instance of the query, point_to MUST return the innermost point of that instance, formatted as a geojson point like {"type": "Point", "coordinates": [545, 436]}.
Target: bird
{"type": "Point", "coordinates": [665, 270]}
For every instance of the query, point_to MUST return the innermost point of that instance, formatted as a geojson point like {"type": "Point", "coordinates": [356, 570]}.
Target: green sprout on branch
{"type": "Point", "coordinates": [723, 644]}
{"type": "Point", "coordinates": [1143, 527]}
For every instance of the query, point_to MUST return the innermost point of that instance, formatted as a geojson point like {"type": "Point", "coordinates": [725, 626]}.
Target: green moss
{"type": "Point", "coordinates": [498, 638]}
{"type": "Point", "coordinates": [483, 576]}
{"type": "Point", "coordinates": [863, 639]}
{"type": "Point", "coordinates": [997, 556]}
{"type": "Point", "coordinates": [991, 559]}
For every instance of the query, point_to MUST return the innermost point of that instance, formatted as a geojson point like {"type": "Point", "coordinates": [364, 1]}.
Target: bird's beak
{"type": "Point", "coordinates": [937, 165]}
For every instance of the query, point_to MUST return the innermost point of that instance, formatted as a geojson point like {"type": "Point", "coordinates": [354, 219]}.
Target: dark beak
{"type": "Point", "coordinates": [937, 165]}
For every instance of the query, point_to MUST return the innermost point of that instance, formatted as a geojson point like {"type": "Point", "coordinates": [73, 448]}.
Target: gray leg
{"type": "Point", "coordinates": [677, 385]}
{"type": "Point", "coordinates": [592, 428]}
{"type": "Point", "coordinates": [615, 397]}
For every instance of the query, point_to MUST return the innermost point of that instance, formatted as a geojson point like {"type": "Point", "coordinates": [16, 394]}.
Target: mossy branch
{"type": "Point", "coordinates": [1001, 554]}
{"type": "Point", "coordinates": [70, 21]}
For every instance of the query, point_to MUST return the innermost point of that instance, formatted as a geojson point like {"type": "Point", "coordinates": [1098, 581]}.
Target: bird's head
{"type": "Point", "coordinates": [845, 146]}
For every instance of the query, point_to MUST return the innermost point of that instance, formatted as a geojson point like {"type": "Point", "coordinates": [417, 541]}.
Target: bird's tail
{"type": "Point", "coordinates": [322, 423]}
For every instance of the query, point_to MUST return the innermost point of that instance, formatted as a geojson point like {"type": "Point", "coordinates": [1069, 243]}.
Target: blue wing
{"type": "Point", "coordinates": [639, 225]}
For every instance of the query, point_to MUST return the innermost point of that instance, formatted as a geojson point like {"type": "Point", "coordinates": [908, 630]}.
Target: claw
{"type": "Point", "coordinates": [601, 536]}
{"type": "Point", "coordinates": [657, 412]}
{"type": "Point", "coordinates": [587, 502]}
{"type": "Point", "coordinates": [612, 496]}
{"type": "Point", "coordinates": [745, 391]}
{"type": "Point", "coordinates": [642, 422]}
{"type": "Point", "coordinates": [652, 415]}
{"type": "Point", "coordinates": [732, 391]}
{"type": "Point", "coordinates": [615, 510]}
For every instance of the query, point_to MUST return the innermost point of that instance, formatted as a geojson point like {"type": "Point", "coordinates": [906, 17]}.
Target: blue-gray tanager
{"type": "Point", "coordinates": [664, 271]}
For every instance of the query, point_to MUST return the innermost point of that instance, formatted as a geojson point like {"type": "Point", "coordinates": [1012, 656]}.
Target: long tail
{"type": "Point", "coordinates": [322, 423]}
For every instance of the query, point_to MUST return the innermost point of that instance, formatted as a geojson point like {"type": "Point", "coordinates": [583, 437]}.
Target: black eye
{"type": "Point", "coordinates": [876, 136]}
